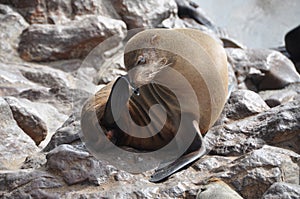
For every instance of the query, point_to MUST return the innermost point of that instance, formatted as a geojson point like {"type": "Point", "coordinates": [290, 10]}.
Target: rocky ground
{"type": "Point", "coordinates": [44, 80]}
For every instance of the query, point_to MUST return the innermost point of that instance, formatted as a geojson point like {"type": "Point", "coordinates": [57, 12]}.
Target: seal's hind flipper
{"type": "Point", "coordinates": [165, 172]}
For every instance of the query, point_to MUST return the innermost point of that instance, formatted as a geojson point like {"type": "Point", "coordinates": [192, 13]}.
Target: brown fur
{"type": "Point", "coordinates": [160, 48]}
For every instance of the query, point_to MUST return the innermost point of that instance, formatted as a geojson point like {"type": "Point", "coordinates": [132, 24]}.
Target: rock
{"type": "Point", "coordinates": [42, 42]}
{"type": "Point", "coordinates": [189, 9]}
{"type": "Point", "coordinates": [282, 190]}
{"type": "Point", "coordinates": [112, 66]}
{"type": "Point", "coordinates": [210, 162]}
{"type": "Point", "coordinates": [277, 126]}
{"type": "Point", "coordinates": [277, 97]}
{"type": "Point", "coordinates": [61, 12]}
{"type": "Point", "coordinates": [68, 133]}
{"type": "Point", "coordinates": [28, 184]}
{"type": "Point", "coordinates": [252, 174]}
{"type": "Point", "coordinates": [231, 43]}
{"type": "Point", "coordinates": [240, 104]}
{"type": "Point", "coordinates": [44, 76]}
{"type": "Point", "coordinates": [77, 166]}
{"type": "Point", "coordinates": [33, 11]}
{"type": "Point", "coordinates": [11, 26]}
{"type": "Point", "coordinates": [53, 12]}
{"type": "Point", "coordinates": [12, 81]}
{"type": "Point", "coordinates": [96, 7]}
{"type": "Point", "coordinates": [38, 116]}
{"type": "Point", "coordinates": [34, 161]}
{"type": "Point", "coordinates": [144, 14]}
{"type": "Point", "coordinates": [244, 103]}
{"type": "Point", "coordinates": [27, 120]}
{"type": "Point", "coordinates": [15, 145]}
{"type": "Point", "coordinates": [217, 189]}
{"type": "Point", "coordinates": [262, 69]}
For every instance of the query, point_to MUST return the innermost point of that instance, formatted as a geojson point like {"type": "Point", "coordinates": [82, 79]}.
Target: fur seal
{"type": "Point", "coordinates": [148, 58]}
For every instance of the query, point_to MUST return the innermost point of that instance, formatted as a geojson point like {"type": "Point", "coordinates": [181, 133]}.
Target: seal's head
{"type": "Point", "coordinates": [144, 59]}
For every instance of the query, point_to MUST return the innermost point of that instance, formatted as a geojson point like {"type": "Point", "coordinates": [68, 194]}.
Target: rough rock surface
{"type": "Point", "coordinates": [282, 190]}
{"type": "Point", "coordinates": [253, 148]}
{"type": "Point", "coordinates": [217, 189]}
{"type": "Point", "coordinates": [144, 14]}
{"type": "Point", "coordinates": [262, 69]}
{"type": "Point", "coordinates": [279, 126]}
{"type": "Point", "coordinates": [60, 12]}
{"type": "Point", "coordinates": [277, 97]}
{"type": "Point", "coordinates": [15, 145]}
{"type": "Point", "coordinates": [28, 183]}
{"type": "Point", "coordinates": [244, 103]}
{"type": "Point", "coordinates": [41, 42]}
{"type": "Point", "coordinates": [11, 26]}
{"type": "Point", "coordinates": [28, 121]}
{"type": "Point", "coordinates": [252, 174]}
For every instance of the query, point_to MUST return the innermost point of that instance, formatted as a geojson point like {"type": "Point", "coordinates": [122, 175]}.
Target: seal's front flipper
{"type": "Point", "coordinates": [117, 100]}
{"type": "Point", "coordinates": [163, 173]}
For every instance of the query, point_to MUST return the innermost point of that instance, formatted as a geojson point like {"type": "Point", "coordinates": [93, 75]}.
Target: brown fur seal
{"type": "Point", "coordinates": [151, 57]}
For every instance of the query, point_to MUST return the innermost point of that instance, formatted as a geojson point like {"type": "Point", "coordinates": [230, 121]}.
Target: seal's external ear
{"type": "Point", "coordinates": [117, 101]}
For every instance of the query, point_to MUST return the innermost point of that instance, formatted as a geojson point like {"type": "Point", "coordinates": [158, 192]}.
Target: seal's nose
{"type": "Point", "coordinates": [132, 85]}
{"type": "Point", "coordinates": [136, 91]}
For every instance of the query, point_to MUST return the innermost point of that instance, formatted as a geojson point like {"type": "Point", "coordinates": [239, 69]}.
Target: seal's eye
{"type": "Point", "coordinates": [141, 60]}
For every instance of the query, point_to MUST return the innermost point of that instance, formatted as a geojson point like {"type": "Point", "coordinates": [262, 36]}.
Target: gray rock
{"type": "Point", "coordinates": [27, 120]}
{"type": "Point", "coordinates": [33, 11]}
{"type": "Point", "coordinates": [252, 174]}
{"type": "Point", "coordinates": [279, 126]}
{"type": "Point", "coordinates": [41, 42]}
{"type": "Point", "coordinates": [209, 163]}
{"type": "Point", "coordinates": [176, 22]}
{"type": "Point", "coordinates": [34, 161]}
{"type": "Point", "coordinates": [244, 103]}
{"type": "Point", "coordinates": [96, 7]}
{"type": "Point", "coordinates": [262, 69]}
{"type": "Point", "coordinates": [12, 81]}
{"type": "Point", "coordinates": [217, 189]}
{"type": "Point", "coordinates": [11, 26]}
{"type": "Point", "coordinates": [282, 190]}
{"type": "Point", "coordinates": [191, 10]}
{"type": "Point", "coordinates": [277, 97]}
{"type": "Point", "coordinates": [60, 12]}
{"type": "Point", "coordinates": [36, 119]}
{"type": "Point", "coordinates": [28, 184]}
{"type": "Point", "coordinates": [144, 14]}
{"type": "Point", "coordinates": [112, 66]}
{"type": "Point", "coordinates": [77, 166]}
{"type": "Point", "coordinates": [67, 134]}
{"type": "Point", "coordinates": [44, 76]}
{"type": "Point", "coordinates": [15, 145]}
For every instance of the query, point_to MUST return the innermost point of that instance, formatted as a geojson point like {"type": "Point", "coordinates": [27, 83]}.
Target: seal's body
{"type": "Point", "coordinates": [151, 57]}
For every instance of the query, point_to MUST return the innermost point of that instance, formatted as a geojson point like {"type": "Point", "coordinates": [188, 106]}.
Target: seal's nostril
{"type": "Point", "coordinates": [136, 91]}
